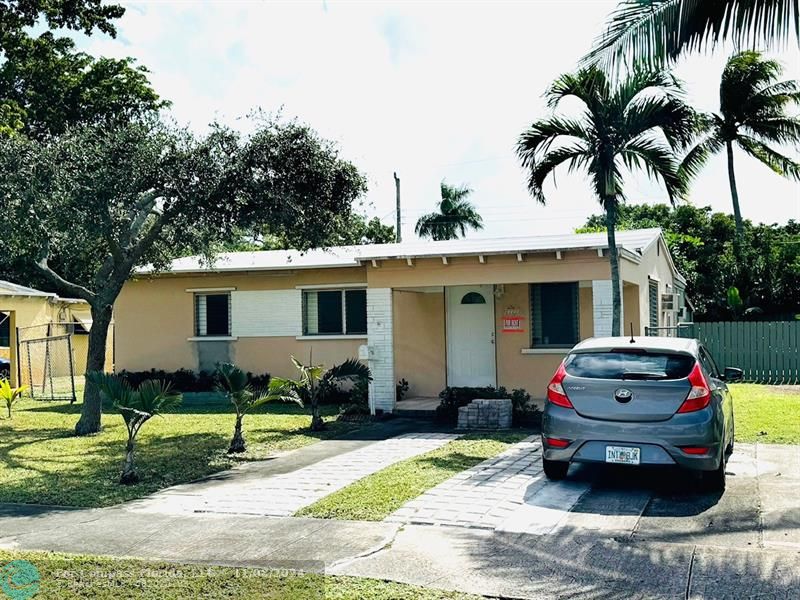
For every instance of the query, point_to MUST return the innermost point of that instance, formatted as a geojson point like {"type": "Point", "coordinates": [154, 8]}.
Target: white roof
{"type": "Point", "coordinates": [632, 244]}
{"type": "Point", "coordinates": [12, 289]}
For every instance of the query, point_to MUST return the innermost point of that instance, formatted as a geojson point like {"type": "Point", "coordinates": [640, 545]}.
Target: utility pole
{"type": "Point", "coordinates": [398, 233]}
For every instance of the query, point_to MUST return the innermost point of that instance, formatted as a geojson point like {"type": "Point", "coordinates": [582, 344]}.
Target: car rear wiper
{"type": "Point", "coordinates": [650, 375]}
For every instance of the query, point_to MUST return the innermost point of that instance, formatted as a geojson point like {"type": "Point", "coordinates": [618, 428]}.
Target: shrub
{"type": "Point", "coordinates": [185, 380]}
{"type": "Point", "coordinates": [452, 398]}
{"type": "Point", "coordinates": [401, 389]}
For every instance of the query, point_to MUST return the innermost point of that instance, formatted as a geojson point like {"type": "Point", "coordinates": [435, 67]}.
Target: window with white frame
{"type": "Point", "coordinates": [212, 314]}
{"type": "Point", "coordinates": [335, 312]}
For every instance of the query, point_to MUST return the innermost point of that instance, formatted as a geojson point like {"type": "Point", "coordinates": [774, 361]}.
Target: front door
{"type": "Point", "coordinates": [470, 336]}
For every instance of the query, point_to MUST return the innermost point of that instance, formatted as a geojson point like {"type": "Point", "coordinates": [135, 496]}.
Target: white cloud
{"type": "Point", "coordinates": [431, 90]}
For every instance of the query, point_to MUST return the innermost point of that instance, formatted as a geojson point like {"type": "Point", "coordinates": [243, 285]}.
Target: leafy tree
{"type": "Point", "coordinates": [349, 230]}
{"type": "Point", "coordinates": [701, 243]}
{"type": "Point", "coordinates": [455, 215]}
{"type": "Point", "coordinates": [18, 16]}
{"type": "Point", "coordinates": [633, 125]}
{"type": "Point", "coordinates": [50, 85]}
{"type": "Point", "coordinates": [235, 384]}
{"type": "Point", "coordinates": [85, 210]}
{"type": "Point", "coordinates": [654, 32]}
{"type": "Point", "coordinates": [314, 383]}
{"type": "Point", "coordinates": [752, 115]}
{"type": "Point", "coordinates": [54, 86]}
{"type": "Point", "coordinates": [138, 406]}
{"type": "Point", "coordinates": [9, 395]}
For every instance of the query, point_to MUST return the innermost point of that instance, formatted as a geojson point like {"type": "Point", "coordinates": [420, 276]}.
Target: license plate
{"type": "Point", "coordinates": [622, 455]}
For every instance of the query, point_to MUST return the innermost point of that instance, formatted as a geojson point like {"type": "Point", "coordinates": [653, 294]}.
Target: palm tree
{"type": "Point", "coordinates": [455, 215]}
{"type": "Point", "coordinates": [235, 385]}
{"type": "Point", "coordinates": [636, 124]}
{"type": "Point", "coordinates": [652, 33]}
{"type": "Point", "coordinates": [138, 406]}
{"type": "Point", "coordinates": [752, 114]}
{"type": "Point", "coordinates": [314, 383]}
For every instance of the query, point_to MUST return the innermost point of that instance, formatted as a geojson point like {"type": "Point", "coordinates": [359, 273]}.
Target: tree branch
{"type": "Point", "coordinates": [71, 288]}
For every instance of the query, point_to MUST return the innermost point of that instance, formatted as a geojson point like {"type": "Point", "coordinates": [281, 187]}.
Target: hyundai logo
{"type": "Point", "coordinates": [623, 395]}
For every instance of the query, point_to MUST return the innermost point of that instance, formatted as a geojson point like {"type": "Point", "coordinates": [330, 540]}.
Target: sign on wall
{"type": "Point", "coordinates": [513, 320]}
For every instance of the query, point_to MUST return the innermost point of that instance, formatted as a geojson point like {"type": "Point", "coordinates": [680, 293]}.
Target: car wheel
{"type": "Point", "coordinates": [714, 481]}
{"type": "Point", "coordinates": [555, 470]}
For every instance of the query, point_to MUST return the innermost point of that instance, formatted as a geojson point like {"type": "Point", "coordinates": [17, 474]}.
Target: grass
{"type": "Point", "coordinates": [766, 414]}
{"type": "Point", "coordinates": [42, 462]}
{"type": "Point", "coordinates": [74, 577]}
{"type": "Point", "coordinates": [377, 496]}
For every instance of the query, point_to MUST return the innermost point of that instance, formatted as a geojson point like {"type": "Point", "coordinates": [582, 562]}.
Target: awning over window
{"type": "Point", "coordinates": [82, 318]}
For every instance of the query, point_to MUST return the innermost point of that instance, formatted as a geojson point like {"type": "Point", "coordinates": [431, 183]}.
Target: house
{"type": "Point", "coordinates": [35, 315]}
{"type": "Point", "coordinates": [459, 313]}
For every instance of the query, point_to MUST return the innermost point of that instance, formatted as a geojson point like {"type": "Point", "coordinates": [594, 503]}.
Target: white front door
{"type": "Point", "coordinates": [470, 336]}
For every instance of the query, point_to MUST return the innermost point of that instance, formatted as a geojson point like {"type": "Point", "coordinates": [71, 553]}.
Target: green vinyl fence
{"type": "Point", "coordinates": [767, 351]}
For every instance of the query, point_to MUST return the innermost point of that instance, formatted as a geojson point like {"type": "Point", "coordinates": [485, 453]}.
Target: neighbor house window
{"type": "Point", "coordinates": [554, 315]}
{"type": "Point", "coordinates": [212, 315]}
{"type": "Point", "coordinates": [335, 312]}
{"type": "Point", "coordinates": [5, 330]}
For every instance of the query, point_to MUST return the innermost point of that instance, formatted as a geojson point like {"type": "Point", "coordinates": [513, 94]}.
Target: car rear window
{"type": "Point", "coordinates": [623, 365]}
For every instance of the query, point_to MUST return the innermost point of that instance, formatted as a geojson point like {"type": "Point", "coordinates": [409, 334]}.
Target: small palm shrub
{"type": "Point", "coordinates": [315, 383]}
{"type": "Point", "coordinates": [237, 387]}
{"type": "Point", "coordinates": [137, 406]}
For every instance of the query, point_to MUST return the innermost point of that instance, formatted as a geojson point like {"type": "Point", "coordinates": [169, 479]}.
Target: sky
{"type": "Point", "coordinates": [431, 90]}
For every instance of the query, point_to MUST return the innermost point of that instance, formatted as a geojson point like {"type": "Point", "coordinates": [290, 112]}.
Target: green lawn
{"type": "Point", "coordinates": [68, 577]}
{"type": "Point", "coordinates": [767, 414]}
{"type": "Point", "coordinates": [377, 496]}
{"type": "Point", "coordinates": [42, 462]}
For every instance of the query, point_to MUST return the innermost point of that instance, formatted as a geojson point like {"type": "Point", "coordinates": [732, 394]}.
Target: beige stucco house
{"type": "Point", "coordinates": [459, 313]}
{"type": "Point", "coordinates": [35, 314]}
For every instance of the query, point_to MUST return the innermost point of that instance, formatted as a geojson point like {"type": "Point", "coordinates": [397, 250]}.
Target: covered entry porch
{"type": "Point", "coordinates": [507, 334]}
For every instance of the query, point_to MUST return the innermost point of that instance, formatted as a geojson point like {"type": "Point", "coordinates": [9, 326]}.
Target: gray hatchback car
{"type": "Point", "coordinates": [640, 401]}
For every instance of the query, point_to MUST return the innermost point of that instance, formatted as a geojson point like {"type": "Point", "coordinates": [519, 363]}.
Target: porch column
{"type": "Point", "coordinates": [381, 349]}
{"type": "Point", "coordinates": [603, 308]}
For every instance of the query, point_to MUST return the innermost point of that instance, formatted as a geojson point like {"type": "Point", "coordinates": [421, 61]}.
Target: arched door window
{"type": "Point", "coordinates": [473, 298]}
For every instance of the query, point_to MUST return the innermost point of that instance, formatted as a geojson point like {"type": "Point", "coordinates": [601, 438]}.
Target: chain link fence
{"type": "Point", "coordinates": [52, 360]}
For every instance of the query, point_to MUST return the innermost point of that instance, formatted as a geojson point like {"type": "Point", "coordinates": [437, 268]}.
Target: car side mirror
{"type": "Point", "coordinates": [733, 374]}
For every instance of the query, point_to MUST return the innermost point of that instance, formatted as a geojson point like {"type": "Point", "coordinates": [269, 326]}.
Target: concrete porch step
{"type": "Point", "coordinates": [417, 407]}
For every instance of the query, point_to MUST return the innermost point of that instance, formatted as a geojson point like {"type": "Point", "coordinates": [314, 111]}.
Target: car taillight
{"type": "Point", "coordinates": [700, 394]}
{"type": "Point", "coordinates": [696, 450]}
{"type": "Point", "coordinates": [556, 442]}
{"type": "Point", "coordinates": [555, 391]}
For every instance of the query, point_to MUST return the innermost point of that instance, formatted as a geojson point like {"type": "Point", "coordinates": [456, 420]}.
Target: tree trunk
{"type": "Point", "coordinates": [129, 476]}
{"type": "Point", "coordinates": [613, 258]}
{"type": "Point", "coordinates": [317, 424]}
{"type": "Point", "coordinates": [237, 443]}
{"type": "Point", "coordinates": [92, 408]}
{"type": "Point", "coordinates": [737, 213]}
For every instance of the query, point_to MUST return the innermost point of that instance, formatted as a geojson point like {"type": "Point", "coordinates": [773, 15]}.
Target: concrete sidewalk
{"type": "Point", "coordinates": [569, 564]}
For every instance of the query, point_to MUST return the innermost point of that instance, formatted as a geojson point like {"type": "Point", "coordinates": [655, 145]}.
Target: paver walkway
{"type": "Point", "coordinates": [484, 496]}
{"type": "Point", "coordinates": [284, 494]}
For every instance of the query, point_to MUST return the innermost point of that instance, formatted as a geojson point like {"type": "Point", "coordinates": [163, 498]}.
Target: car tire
{"type": "Point", "coordinates": [555, 470]}
{"type": "Point", "coordinates": [714, 481]}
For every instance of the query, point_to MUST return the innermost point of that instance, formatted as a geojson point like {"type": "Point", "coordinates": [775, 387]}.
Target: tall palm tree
{"type": "Point", "coordinates": [455, 215]}
{"type": "Point", "coordinates": [654, 32]}
{"type": "Point", "coordinates": [753, 114]}
{"type": "Point", "coordinates": [636, 124]}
